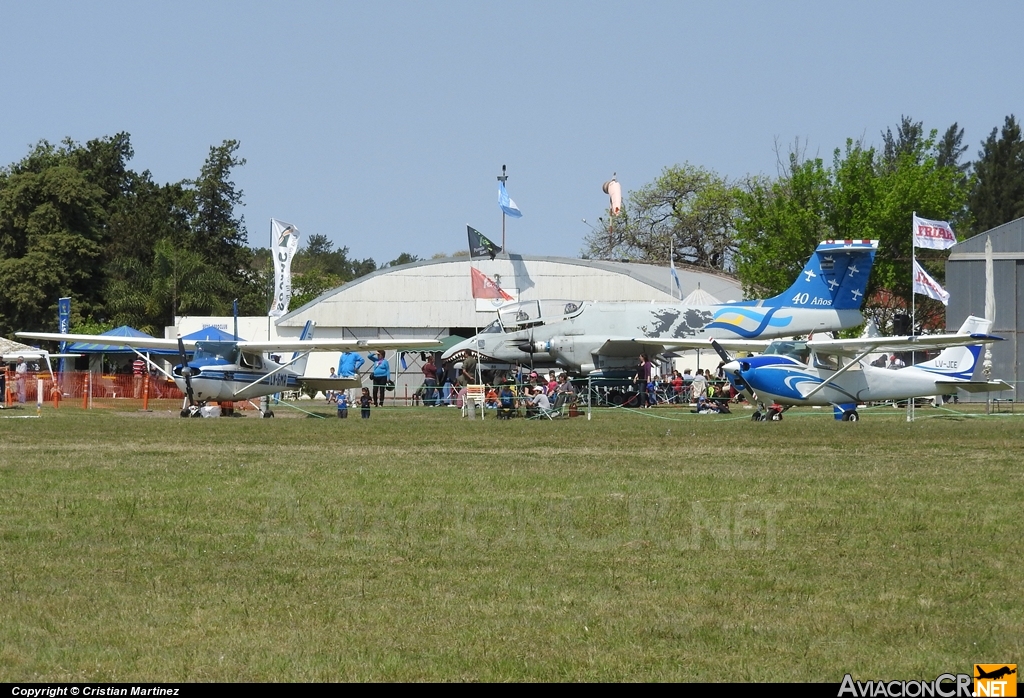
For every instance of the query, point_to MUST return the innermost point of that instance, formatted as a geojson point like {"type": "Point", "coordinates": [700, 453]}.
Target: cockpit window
{"type": "Point", "coordinates": [494, 327]}
{"type": "Point", "coordinates": [216, 351]}
{"type": "Point", "coordinates": [252, 361]}
{"type": "Point", "coordinates": [518, 316]}
{"type": "Point", "coordinates": [794, 350]}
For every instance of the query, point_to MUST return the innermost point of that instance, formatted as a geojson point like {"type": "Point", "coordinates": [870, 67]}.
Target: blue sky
{"type": "Point", "coordinates": [384, 125]}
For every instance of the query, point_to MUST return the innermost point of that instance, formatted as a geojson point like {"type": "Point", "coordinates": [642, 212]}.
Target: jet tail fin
{"type": "Point", "coordinates": [835, 277]}
{"type": "Point", "coordinates": [307, 333]}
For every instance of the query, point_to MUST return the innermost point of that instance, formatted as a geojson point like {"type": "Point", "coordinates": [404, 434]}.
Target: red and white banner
{"type": "Point", "coordinates": [927, 286]}
{"type": "Point", "coordinates": [935, 235]}
{"type": "Point", "coordinates": [486, 287]}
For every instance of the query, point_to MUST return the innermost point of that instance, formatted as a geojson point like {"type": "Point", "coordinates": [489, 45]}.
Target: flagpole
{"type": "Point", "coordinates": [503, 178]}
{"type": "Point", "coordinates": [913, 275]}
{"type": "Point", "coordinates": [671, 281]}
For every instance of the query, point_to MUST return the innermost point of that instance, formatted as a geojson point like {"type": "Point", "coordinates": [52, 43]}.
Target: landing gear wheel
{"type": "Point", "coordinates": [757, 417]}
{"type": "Point", "coordinates": [851, 416]}
{"type": "Point", "coordinates": [776, 417]}
{"type": "Point", "coordinates": [185, 414]}
{"type": "Point", "coordinates": [268, 414]}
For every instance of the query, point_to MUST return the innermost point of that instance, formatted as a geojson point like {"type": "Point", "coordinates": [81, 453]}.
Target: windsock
{"type": "Point", "coordinates": [614, 192]}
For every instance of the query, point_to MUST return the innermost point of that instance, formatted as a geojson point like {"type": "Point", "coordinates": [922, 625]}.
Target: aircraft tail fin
{"type": "Point", "coordinates": [960, 362]}
{"type": "Point", "coordinates": [835, 277]}
{"type": "Point", "coordinates": [307, 333]}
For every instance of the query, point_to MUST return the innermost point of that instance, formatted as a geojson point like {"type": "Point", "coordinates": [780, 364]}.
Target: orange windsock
{"type": "Point", "coordinates": [614, 192]}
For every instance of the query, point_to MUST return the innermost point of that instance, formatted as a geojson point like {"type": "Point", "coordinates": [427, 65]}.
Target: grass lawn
{"type": "Point", "coordinates": [643, 545]}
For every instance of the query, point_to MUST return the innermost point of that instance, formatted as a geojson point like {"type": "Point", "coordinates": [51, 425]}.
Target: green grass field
{"type": "Point", "coordinates": [419, 546]}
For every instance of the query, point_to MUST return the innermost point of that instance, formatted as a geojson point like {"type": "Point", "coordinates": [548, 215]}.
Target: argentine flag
{"type": "Point", "coordinates": [507, 205]}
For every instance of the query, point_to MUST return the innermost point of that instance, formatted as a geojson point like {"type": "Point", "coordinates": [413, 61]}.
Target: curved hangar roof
{"type": "Point", "coordinates": [438, 292]}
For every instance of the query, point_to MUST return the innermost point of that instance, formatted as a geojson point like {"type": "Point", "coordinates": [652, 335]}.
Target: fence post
{"type": "Point", "coordinates": [145, 390]}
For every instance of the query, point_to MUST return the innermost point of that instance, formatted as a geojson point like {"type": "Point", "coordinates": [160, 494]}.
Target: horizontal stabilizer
{"type": "Point", "coordinates": [976, 386]}
{"type": "Point", "coordinates": [326, 384]}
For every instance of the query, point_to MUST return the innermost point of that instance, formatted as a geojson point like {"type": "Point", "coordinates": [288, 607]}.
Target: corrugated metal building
{"type": "Point", "coordinates": [965, 282]}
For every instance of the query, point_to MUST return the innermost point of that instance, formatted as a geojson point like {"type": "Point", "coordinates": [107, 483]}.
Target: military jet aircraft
{"type": "Point", "coordinates": [605, 339]}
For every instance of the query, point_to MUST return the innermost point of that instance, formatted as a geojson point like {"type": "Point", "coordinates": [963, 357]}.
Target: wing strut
{"type": "Point", "coordinates": [840, 372]}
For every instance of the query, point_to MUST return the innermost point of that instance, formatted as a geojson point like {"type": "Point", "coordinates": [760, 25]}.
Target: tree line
{"type": "Point", "coordinates": [763, 228]}
{"type": "Point", "coordinates": [76, 221]}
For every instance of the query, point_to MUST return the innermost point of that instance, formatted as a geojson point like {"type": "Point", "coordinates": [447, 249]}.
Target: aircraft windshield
{"type": "Point", "coordinates": [492, 328]}
{"type": "Point", "coordinates": [794, 350]}
{"type": "Point", "coordinates": [517, 316]}
{"type": "Point", "coordinates": [216, 351]}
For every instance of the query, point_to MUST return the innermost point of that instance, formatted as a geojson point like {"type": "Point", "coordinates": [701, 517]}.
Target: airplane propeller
{"type": "Point", "coordinates": [736, 379]}
{"type": "Point", "coordinates": [186, 373]}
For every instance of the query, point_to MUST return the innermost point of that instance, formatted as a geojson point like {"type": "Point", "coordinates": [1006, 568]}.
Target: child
{"type": "Point", "coordinates": [365, 402]}
{"type": "Point", "coordinates": [342, 398]}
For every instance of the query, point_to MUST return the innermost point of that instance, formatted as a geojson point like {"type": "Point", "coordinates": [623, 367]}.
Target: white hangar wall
{"type": "Point", "coordinates": [438, 293]}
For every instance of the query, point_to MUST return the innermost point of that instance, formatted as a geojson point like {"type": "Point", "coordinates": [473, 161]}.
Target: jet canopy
{"type": "Point", "coordinates": [526, 314]}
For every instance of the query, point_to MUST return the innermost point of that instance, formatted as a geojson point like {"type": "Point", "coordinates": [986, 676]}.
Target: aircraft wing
{"type": "Point", "coordinates": [113, 342]}
{"type": "Point", "coordinates": [634, 346]}
{"type": "Point", "coordinates": [35, 355]}
{"type": "Point", "coordinates": [898, 344]}
{"type": "Point", "coordinates": [284, 345]}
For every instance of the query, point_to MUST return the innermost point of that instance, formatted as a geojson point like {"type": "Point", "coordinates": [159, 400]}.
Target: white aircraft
{"type": "Point", "coordinates": [239, 371]}
{"type": "Point", "coordinates": [605, 339]}
{"type": "Point", "coordinates": [835, 372]}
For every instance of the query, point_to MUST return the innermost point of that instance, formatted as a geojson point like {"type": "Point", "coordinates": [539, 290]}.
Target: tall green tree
{"type": "Point", "coordinates": [998, 193]}
{"type": "Point", "coordinates": [51, 238]}
{"type": "Point", "coordinates": [689, 208]}
{"type": "Point", "coordinates": [783, 220]}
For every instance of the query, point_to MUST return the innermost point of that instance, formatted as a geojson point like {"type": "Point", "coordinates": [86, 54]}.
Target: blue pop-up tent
{"type": "Point", "coordinates": [211, 334]}
{"type": "Point", "coordinates": [113, 347]}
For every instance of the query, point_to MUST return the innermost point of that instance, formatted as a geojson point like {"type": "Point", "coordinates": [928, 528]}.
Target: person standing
{"type": "Point", "coordinates": [21, 377]}
{"type": "Point", "coordinates": [138, 371]}
{"type": "Point", "coordinates": [381, 374]}
{"type": "Point", "coordinates": [343, 404]}
{"type": "Point", "coordinates": [429, 382]}
{"type": "Point", "coordinates": [349, 364]}
{"type": "Point", "coordinates": [642, 378]}
{"type": "Point", "coordinates": [364, 403]}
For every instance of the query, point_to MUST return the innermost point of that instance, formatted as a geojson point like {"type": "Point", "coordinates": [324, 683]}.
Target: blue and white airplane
{"type": "Point", "coordinates": [244, 370]}
{"type": "Point", "coordinates": [834, 371]}
{"type": "Point", "coordinates": [605, 339]}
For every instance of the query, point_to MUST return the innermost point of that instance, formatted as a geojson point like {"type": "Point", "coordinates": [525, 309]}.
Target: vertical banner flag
{"type": "Point", "coordinates": [285, 241]}
{"type": "Point", "coordinates": [486, 287]}
{"type": "Point", "coordinates": [507, 205]}
{"type": "Point", "coordinates": [927, 286]}
{"type": "Point", "coordinates": [480, 246]}
{"type": "Point", "coordinates": [675, 276]}
{"type": "Point", "coordinates": [64, 325]}
{"type": "Point", "coordinates": [935, 235]}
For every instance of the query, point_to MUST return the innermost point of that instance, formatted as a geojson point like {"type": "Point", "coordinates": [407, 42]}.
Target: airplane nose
{"type": "Point", "coordinates": [733, 367]}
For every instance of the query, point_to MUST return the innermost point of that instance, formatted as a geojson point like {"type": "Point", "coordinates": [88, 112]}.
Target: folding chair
{"type": "Point", "coordinates": [476, 393]}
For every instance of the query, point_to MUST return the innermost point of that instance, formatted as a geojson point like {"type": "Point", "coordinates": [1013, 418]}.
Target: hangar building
{"type": "Point", "coordinates": [965, 282]}
{"type": "Point", "coordinates": [433, 299]}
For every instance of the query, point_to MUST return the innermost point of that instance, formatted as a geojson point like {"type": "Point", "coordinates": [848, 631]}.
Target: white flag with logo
{"type": "Point", "coordinates": [927, 286]}
{"type": "Point", "coordinates": [285, 242]}
{"type": "Point", "coordinates": [935, 235]}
